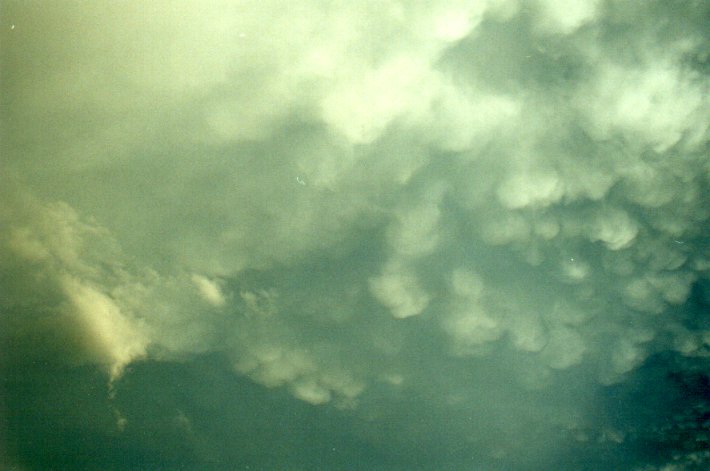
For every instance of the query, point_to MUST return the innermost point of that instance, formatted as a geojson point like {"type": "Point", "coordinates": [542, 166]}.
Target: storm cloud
{"type": "Point", "coordinates": [354, 235]}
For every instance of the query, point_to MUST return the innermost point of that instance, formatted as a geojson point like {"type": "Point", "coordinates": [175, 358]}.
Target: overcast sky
{"type": "Point", "coordinates": [354, 235]}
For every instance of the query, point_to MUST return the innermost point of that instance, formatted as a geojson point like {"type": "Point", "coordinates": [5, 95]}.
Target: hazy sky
{"type": "Point", "coordinates": [354, 235]}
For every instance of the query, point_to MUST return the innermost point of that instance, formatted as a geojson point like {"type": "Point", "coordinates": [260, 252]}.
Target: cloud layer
{"type": "Point", "coordinates": [495, 212]}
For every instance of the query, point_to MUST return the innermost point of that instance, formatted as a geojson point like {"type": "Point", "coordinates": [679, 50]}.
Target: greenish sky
{"type": "Point", "coordinates": [365, 235]}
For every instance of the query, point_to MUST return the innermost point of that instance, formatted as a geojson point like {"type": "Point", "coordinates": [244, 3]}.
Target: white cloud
{"type": "Point", "coordinates": [467, 284]}
{"type": "Point", "coordinates": [615, 228]}
{"type": "Point", "coordinates": [363, 109]}
{"type": "Point", "coordinates": [653, 105]}
{"type": "Point", "coordinates": [566, 20]}
{"type": "Point", "coordinates": [116, 339]}
{"type": "Point", "coordinates": [565, 348]}
{"type": "Point", "coordinates": [209, 290]}
{"type": "Point", "coordinates": [312, 392]}
{"type": "Point", "coordinates": [526, 189]}
{"type": "Point", "coordinates": [416, 231]}
{"type": "Point", "coordinates": [400, 291]}
{"type": "Point", "coordinates": [470, 326]}
{"type": "Point", "coordinates": [528, 334]}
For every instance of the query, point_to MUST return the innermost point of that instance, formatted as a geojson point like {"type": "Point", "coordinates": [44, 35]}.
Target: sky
{"type": "Point", "coordinates": [369, 235]}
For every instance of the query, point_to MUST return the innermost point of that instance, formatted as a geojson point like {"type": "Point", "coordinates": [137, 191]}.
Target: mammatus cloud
{"type": "Point", "coordinates": [467, 208]}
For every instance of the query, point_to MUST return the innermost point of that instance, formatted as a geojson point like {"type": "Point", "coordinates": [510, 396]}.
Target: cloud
{"type": "Point", "coordinates": [493, 213]}
{"type": "Point", "coordinates": [116, 339]}
{"type": "Point", "coordinates": [400, 292]}
{"type": "Point", "coordinates": [565, 21]}
{"type": "Point", "coordinates": [209, 290]}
